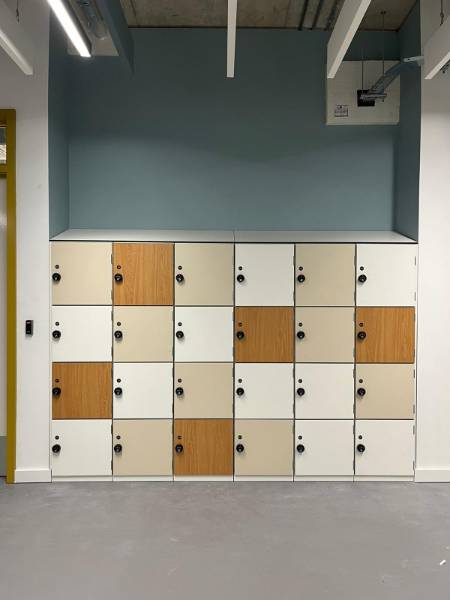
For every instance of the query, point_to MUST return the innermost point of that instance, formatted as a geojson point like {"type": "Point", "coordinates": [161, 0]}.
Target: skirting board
{"type": "Point", "coordinates": [298, 478]}
{"type": "Point", "coordinates": [432, 475]}
{"type": "Point", "coordinates": [385, 479]}
{"type": "Point", "coordinates": [142, 478]}
{"type": "Point", "coordinates": [32, 476]}
{"type": "Point", "coordinates": [70, 479]}
{"type": "Point", "coordinates": [203, 478]}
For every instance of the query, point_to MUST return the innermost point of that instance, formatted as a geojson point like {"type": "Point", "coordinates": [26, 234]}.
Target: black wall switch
{"type": "Point", "coordinates": [29, 327]}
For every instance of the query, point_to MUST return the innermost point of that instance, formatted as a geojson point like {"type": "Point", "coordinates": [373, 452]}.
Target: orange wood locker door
{"type": "Point", "coordinates": [82, 391]}
{"type": "Point", "coordinates": [203, 447]}
{"type": "Point", "coordinates": [143, 274]}
{"type": "Point", "coordinates": [264, 334]}
{"type": "Point", "coordinates": [385, 335]}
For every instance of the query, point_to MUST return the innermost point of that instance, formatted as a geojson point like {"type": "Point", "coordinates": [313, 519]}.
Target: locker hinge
{"type": "Point", "coordinates": [111, 428]}
{"type": "Point", "coordinates": [414, 409]}
{"type": "Point", "coordinates": [414, 430]}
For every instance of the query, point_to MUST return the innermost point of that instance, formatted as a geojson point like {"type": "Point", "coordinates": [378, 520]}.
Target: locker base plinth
{"type": "Point", "coordinates": [81, 478]}
{"type": "Point", "coordinates": [383, 478]}
{"type": "Point", "coordinates": [324, 478]}
{"type": "Point", "coordinates": [263, 478]}
{"type": "Point", "coordinates": [143, 478]}
{"type": "Point", "coordinates": [203, 478]}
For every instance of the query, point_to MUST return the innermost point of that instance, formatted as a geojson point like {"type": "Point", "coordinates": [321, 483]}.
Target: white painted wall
{"type": "Point", "coordinates": [2, 306]}
{"type": "Point", "coordinates": [28, 95]}
{"type": "Point", "coordinates": [433, 404]}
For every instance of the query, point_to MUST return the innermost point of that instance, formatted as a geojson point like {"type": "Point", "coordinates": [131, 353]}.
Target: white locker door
{"type": "Point", "coordinates": [81, 448]}
{"type": "Point", "coordinates": [142, 391]}
{"type": "Point", "coordinates": [324, 391]}
{"type": "Point", "coordinates": [264, 275]}
{"type": "Point", "coordinates": [386, 274]}
{"type": "Point", "coordinates": [384, 448]}
{"type": "Point", "coordinates": [204, 334]}
{"type": "Point", "coordinates": [263, 391]}
{"type": "Point", "coordinates": [324, 448]}
{"type": "Point", "coordinates": [81, 333]}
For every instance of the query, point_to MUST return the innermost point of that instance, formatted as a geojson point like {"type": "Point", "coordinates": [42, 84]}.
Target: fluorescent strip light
{"type": "Point", "coordinates": [15, 41]}
{"type": "Point", "coordinates": [68, 21]}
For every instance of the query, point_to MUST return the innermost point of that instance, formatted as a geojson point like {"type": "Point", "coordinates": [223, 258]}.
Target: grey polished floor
{"type": "Point", "coordinates": [271, 541]}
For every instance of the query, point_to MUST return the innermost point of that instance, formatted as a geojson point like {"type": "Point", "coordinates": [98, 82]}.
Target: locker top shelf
{"type": "Point", "coordinates": [178, 235]}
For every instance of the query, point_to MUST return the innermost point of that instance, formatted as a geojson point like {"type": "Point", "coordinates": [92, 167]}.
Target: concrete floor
{"type": "Point", "coordinates": [271, 541]}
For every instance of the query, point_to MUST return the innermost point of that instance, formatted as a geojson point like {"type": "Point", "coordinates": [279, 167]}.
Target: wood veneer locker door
{"type": "Point", "coordinates": [264, 334]}
{"type": "Point", "coordinates": [81, 390]}
{"type": "Point", "coordinates": [81, 273]}
{"type": "Point", "coordinates": [385, 335]}
{"type": "Point", "coordinates": [203, 447]}
{"type": "Point", "coordinates": [143, 273]}
{"type": "Point", "coordinates": [384, 391]}
{"type": "Point", "coordinates": [203, 390]}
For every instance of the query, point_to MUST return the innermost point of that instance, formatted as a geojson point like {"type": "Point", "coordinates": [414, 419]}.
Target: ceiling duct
{"type": "Point", "coordinates": [378, 90]}
{"type": "Point", "coordinates": [92, 18]}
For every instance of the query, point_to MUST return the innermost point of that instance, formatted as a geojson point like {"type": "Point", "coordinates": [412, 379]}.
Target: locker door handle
{"type": "Point", "coordinates": [301, 278]}
{"type": "Point", "coordinates": [361, 392]}
{"type": "Point", "coordinates": [179, 391]}
{"type": "Point", "coordinates": [56, 277]}
{"type": "Point", "coordinates": [179, 448]}
{"type": "Point", "coordinates": [240, 448]}
{"type": "Point", "coordinates": [240, 335]}
{"type": "Point", "coordinates": [361, 448]}
{"type": "Point", "coordinates": [300, 335]}
{"type": "Point", "coordinates": [362, 335]}
{"type": "Point", "coordinates": [180, 335]}
{"type": "Point", "coordinates": [118, 277]}
{"type": "Point", "coordinates": [56, 391]}
{"type": "Point", "coordinates": [240, 278]}
{"type": "Point", "coordinates": [56, 449]}
{"type": "Point", "coordinates": [118, 448]}
{"type": "Point", "coordinates": [362, 278]}
{"type": "Point", "coordinates": [118, 335]}
{"type": "Point", "coordinates": [179, 277]}
{"type": "Point", "coordinates": [240, 391]}
{"type": "Point", "coordinates": [56, 334]}
{"type": "Point", "coordinates": [300, 391]}
{"type": "Point", "coordinates": [300, 448]}
{"type": "Point", "coordinates": [118, 391]}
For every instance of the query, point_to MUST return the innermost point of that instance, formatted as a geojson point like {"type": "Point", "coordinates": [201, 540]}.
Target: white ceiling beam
{"type": "Point", "coordinates": [15, 41]}
{"type": "Point", "coordinates": [437, 50]}
{"type": "Point", "coordinates": [350, 17]}
{"type": "Point", "coordinates": [231, 37]}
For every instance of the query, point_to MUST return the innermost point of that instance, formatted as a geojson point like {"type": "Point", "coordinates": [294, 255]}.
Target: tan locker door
{"type": "Point", "coordinates": [325, 275]}
{"type": "Point", "coordinates": [204, 274]}
{"type": "Point", "coordinates": [328, 335]}
{"type": "Point", "coordinates": [203, 390]}
{"type": "Point", "coordinates": [142, 448]}
{"type": "Point", "coordinates": [385, 391]}
{"type": "Point", "coordinates": [147, 333]}
{"type": "Point", "coordinates": [268, 334]}
{"type": "Point", "coordinates": [267, 448]}
{"type": "Point", "coordinates": [146, 270]}
{"type": "Point", "coordinates": [203, 447]}
{"type": "Point", "coordinates": [81, 391]}
{"type": "Point", "coordinates": [85, 271]}
{"type": "Point", "coordinates": [388, 335]}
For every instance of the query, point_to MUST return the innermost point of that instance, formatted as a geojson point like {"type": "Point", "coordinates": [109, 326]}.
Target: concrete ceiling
{"type": "Point", "coordinates": [306, 14]}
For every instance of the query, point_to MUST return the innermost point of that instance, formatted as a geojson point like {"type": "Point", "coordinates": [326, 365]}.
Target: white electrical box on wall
{"type": "Point", "coordinates": [342, 95]}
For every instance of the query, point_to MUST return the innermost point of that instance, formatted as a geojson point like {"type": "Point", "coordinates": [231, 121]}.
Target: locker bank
{"type": "Point", "coordinates": [224, 232]}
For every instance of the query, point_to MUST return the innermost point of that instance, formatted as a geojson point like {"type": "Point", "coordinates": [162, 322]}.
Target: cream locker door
{"type": "Point", "coordinates": [384, 448]}
{"type": "Point", "coordinates": [143, 333]}
{"type": "Point", "coordinates": [264, 274]}
{"type": "Point", "coordinates": [204, 274]}
{"type": "Point", "coordinates": [81, 333]}
{"type": "Point", "coordinates": [263, 391]}
{"type": "Point", "coordinates": [203, 390]}
{"type": "Point", "coordinates": [386, 274]}
{"type": "Point", "coordinates": [325, 275]}
{"type": "Point", "coordinates": [323, 448]}
{"type": "Point", "coordinates": [324, 335]}
{"type": "Point", "coordinates": [385, 391]}
{"type": "Point", "coordinates": [142, 391]}
{"type": "Point", "coordinates": [324, 391]}
{"type": "Point", "coordinates": [81, 272]}
{"type": "Point", "coordinates": [81, 448]}
{"type": "Point", "coordinates": [204, 334]}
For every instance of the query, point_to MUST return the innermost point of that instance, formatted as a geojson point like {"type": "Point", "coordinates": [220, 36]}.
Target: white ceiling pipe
{"type": "Point", "coordinates": [437, 50]}
{"type": "Point", "coordinates": [14, 40]}
{"type": "Point", "coordinates": [231, 37]}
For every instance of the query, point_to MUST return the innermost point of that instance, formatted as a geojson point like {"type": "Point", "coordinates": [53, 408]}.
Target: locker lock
{"type": "Point", "coordinates": [118, 277]}
{"type": "Point", "coordinates": [118, 448]}
{"type": "Point", "coordinates": [301, 278]}
{"type": "Point", "coordinates": [300, 448]}
{"type": "Point", "coordinates": [179, 277]}
{"type": "Point", "coordinates": [179, 448]}
{"type": "Point", "coordinates": [179, 391]}
{"type": "Point", "coordinates": [118, 391]}
{"type": "Point", "coordinates": [300, 335]}
{"type": "Point", "coordinates": [240, 278]}
{"type": "Point", "coordinates": [56, 334]}
{"type": "Point", "coordinates": [362, 335]}
{"type": "Point", "coordinates": [361, 392]}
{"type": "Point", "coordinates": [56, 391]}
{"type": "Point", "coordinates": [56, 449]}
{"type": "Point", "coordinates": [240, 335]}
{"type": "Point", "coordinates": [361, 448]}
{"type": "Point", "coordinates": [118, 335]}
{"type": "Point", "coordinates": [362, 278]}
{"type": "Point", "coordinates": [179, 334]}
{"type": "Point", "coordinates": [56, 277]}
{"type": "Point", "coordinates": [240, 391]}
{"type": "Point", "coordinates": [240, 448]}
{"type": "Point", "coordinates": [300, 391]}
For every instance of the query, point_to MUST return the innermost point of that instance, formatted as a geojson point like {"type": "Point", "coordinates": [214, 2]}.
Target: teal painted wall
{"type": "Point", "coordinates": [177, 145]}
{"type": "Point", "coordinates": [408, 141]}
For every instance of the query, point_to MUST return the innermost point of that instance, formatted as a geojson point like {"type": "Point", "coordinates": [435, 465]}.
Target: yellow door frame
{"type": "Point", "coordinates": [8, 120]}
